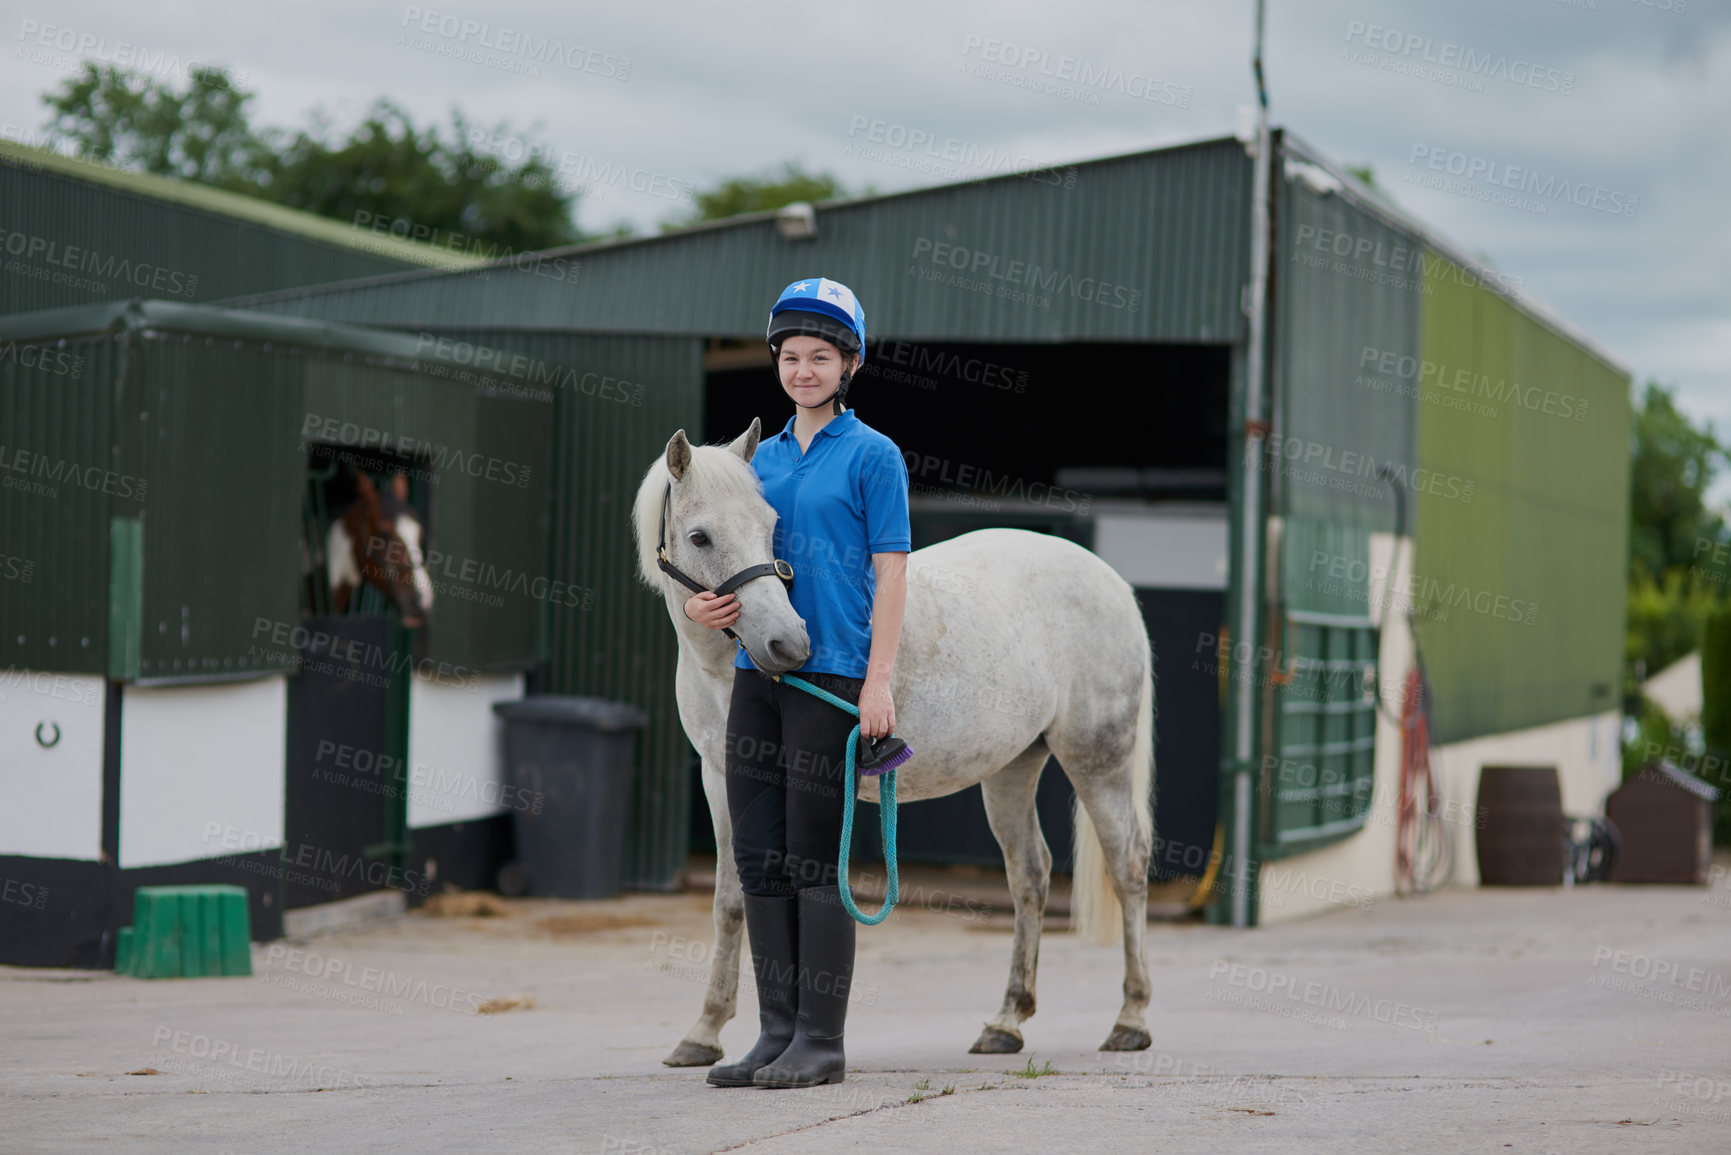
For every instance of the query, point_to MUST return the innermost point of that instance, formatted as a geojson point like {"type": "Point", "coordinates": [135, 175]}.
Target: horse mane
{"type": "Point", "coordinates": [715, 472]}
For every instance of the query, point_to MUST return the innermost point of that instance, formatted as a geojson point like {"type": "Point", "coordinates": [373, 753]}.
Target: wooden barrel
{"type": "Point", "coordinates": [1521, 841]}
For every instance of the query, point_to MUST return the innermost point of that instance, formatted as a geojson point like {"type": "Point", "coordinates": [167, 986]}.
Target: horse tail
{"type": "Point", "coordinates": [1095, 911]}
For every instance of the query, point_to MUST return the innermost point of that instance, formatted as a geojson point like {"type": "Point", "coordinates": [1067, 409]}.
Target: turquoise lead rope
{"type": "Point", "coordinates": [886, 813]}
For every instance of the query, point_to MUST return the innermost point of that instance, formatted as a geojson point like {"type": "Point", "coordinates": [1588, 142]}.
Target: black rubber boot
{"type": "Point", "coordinates": [771, 923]}
{"type": "Point", "coordinates": [826, 940]}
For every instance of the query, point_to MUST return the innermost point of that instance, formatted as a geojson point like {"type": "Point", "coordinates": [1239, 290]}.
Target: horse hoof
{"type": "Point", "coordinates": [992, 1041]}
{"type": "Point", "coordinates": [689, 1054]}
{"type": "Point", "coordinates": [1125, 1038]}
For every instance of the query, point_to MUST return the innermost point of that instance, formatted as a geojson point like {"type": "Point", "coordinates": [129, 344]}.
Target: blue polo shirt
{"type": "Point", "coordinates": [842, 500]}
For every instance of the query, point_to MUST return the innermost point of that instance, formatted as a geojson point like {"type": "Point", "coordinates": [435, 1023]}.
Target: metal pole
{"type": "Point", "coordinates": [1250, 551]}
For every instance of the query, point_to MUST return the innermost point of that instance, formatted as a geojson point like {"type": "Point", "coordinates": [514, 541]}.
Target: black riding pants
{"type": "Point", "coordinates": [786, 773]}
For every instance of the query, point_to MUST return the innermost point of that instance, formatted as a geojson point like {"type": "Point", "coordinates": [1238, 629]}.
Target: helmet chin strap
{"type": "Point", "coordinates": [836, 397]}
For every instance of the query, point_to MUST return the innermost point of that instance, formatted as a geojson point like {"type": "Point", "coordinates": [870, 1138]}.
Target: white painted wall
{"type": "Point", "coordinates": [201, 770]}
{"type": "Point", "coordinates": [457, 750]}
{"type": "Point", "coordinates": [1164, 551]}
{"type": "Point", "coordinates": [51, 798]}
{"type": "Point", "coordinates": [1359, 871]}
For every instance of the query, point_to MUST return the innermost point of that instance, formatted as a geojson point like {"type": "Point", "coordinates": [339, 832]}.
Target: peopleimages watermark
{"type": "Point", "coordinates": [357, 984]}
{"type": "Point", "coordinates": [485, 359]}
{"type": "Point", "coordinates": [1399, 266]}
{"type": "Point", "coordinates": [565, 269]}
{"type": "Point", "coordinates": [1067, 77]}
{"type": "Point", "coordinates": [1353, 471]}
{"type": "Point", "coordinates": [1718, 558]}
{"type": "Point", "coordinates": [90, 47]}
{"type": "Point", "coordinates": [424, 783]}
{"type": "Point", "coordinates": [31, 895]}
{"type": "Point", "coordinates": [232, 1062]}
{"type": "Point", "coordinates": [350, 434]}
{"type": "Point", "coordinates": [16, 569]}
{"type": "Point", "coordinates": [1701, 1095]}
{"type": "Point", "coordinates": [318, 866]}
{"type": "Point", "coordinates": [1667, 981]}
{"type": "Point", "coordinates": [1710, 767]}
{"type": "Point", "coordinates": [46, 259]}
{"type": "Point", "coordinates": [1447, 62]}
{"type": "Point", "coordinates": [43, 357]}
{"type": "Point", "coordinates": [686, 958]}
{"type": "Point", "coordinates": [58, 687]}
{"type": "Point", "coordinates": [583, 173]}
{"type": "Point", "coordinates": [504, 48]}
{"type": "Point", "coordinates": [920, 360]}
{"type": "Point", "coordinates": [1483, 178]}
{"type": "Point", "coordinates": [1462, 388]}
{"type": "Point", "coordinates": [328, 653]}
{"type": "Point", "coordinates": [1296, 780]}
{"type": "Point", "coordinates": [471, 579]}
{"type": "Point", "coordinates": [1008, 486]}
{"type": "Point", "coordinates": [1022, 282]}
{"type": "Point", "coordinates": [1321, 679]}
{"type": "Point", "coordinates": [42, 473]}
{"type": "Point", "coordinates": [1340, 575]}
{"type": "Point", "coordinates": [1211, 1086]}
{"type": "Point", "coordinates": [948, 158]}
{"type": "Point", "coordinates": [1278, 984]}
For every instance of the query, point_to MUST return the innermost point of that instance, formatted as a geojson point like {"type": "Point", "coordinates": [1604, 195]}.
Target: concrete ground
{"type": "Point", "coordinates": [1585, 1020]}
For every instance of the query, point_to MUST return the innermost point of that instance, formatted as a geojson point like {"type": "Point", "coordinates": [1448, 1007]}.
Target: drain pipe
{"type": "Point", "coordinates": [1251, 527]}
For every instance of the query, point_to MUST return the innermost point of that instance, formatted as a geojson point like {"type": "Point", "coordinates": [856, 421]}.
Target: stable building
{"type": "Point", "coordinates": [1066, 350]}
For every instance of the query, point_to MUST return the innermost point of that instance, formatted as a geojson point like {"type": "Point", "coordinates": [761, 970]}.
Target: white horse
{"type": "Point", "coordinates": [1014, 646]}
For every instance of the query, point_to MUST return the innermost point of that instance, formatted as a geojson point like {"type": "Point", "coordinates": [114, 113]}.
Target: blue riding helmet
{"type": "Point", "coordinates": [818, 307]}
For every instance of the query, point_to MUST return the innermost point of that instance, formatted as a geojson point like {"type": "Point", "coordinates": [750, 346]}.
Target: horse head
{"type": "Point", "coordinates": [387, 551]}
{"type": "Point", "coordinates": [718, 525]}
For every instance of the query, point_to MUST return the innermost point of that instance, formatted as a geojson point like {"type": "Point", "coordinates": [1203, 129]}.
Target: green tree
{"type": "Point", "coordinates": [387, 169]}
{"type": "Point", "coordinates": [755, 194]}
{"type": "Point", "coordinates": [135, 122]}
{"type": "Point", "coordinates": [384, 169]}
{"type": "Point", "coordinates": [1672, 465]}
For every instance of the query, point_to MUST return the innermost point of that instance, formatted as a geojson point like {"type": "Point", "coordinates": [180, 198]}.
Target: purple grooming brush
{"type": "Point", "coordinates": [878, 755]}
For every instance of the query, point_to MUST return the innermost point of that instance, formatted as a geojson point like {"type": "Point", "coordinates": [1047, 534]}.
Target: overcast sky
{"type": "Point", "coordinates": [1626, 97]}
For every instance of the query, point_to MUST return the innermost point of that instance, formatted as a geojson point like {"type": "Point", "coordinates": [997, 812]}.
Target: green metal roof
{"type": "Point", "coordinates": [208, 321]}
{"type": "Point", "coordinates": [1152, 246]}
{"type": "Point", "coordinates": [245, 208]}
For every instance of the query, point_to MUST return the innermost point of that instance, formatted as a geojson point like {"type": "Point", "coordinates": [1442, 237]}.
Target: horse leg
{"type": "Point", "coordinates": [1103, 785]}
{"type": "Point", "coordinates": [702, 1043]}
{"type": "Point", "coordinates": [1009, 797]}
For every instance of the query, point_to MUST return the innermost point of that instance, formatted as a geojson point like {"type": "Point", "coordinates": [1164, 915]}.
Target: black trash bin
{"type": "Point", "coordinates": [570, 760]}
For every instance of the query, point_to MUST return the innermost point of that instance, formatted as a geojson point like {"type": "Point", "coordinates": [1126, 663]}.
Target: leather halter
{"type": "Point", "coordinates": [776, 568]}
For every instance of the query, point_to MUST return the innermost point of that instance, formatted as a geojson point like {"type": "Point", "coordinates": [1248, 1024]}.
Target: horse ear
{"type": "Point", "coordinates": [746, 443]}
{"type": "Point", "coordinates": [678, 455]}
{"type": "Point", "coordinates": [364, 486]}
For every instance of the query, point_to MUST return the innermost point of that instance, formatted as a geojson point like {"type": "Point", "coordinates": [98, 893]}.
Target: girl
{"type": "Point", "coordinates": [840, 489]}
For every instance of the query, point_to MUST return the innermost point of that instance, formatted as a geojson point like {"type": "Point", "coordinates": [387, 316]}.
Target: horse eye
{"type": "Point", "coordinates": [699, 538]}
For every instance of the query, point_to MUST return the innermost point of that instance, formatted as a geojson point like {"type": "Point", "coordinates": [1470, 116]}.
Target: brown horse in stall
{"type": "Point", "coordinates": [370, 544]}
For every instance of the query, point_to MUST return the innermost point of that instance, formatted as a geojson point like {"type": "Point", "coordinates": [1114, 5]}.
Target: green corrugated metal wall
{"type": "Point", "coordinates": [1546, 530]}
{"type": "Point", "coordinates": [210, 423]}
{"type": "Point", "coordinates": [56, 431]}
{"type": "Point", "coordinates": [1347, 293]}
{"type": "Point", "coordinates": [67, 240]}
{"type": "Point", "coordinates": [1341, 420]}
{"type": "Point", "coordinates": [199, 414]}
{"type": "Point", "coordinates": [1171, 225]}
{"type": "Point", "coordinates": [618, 399]}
